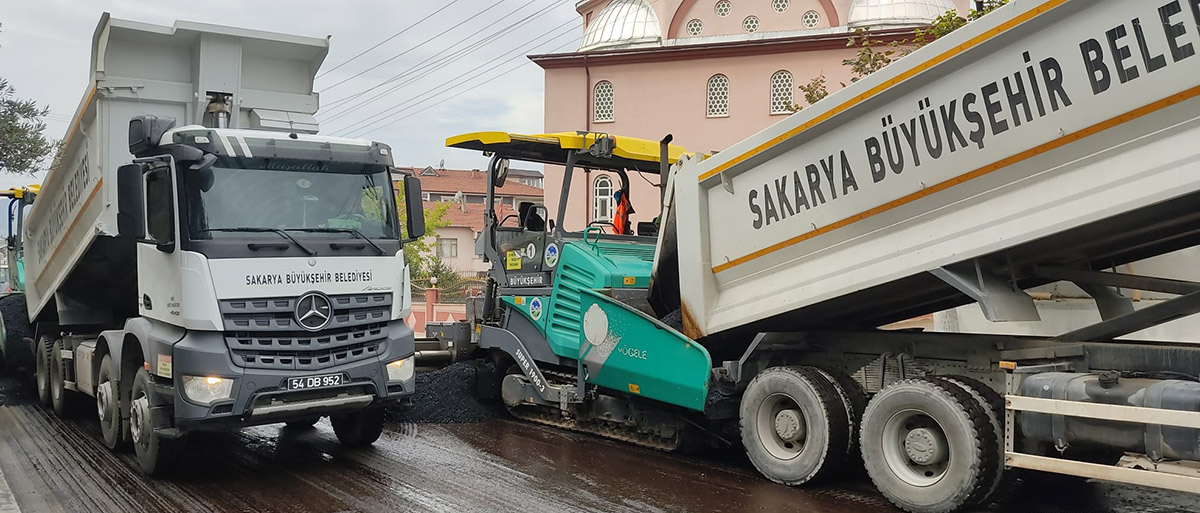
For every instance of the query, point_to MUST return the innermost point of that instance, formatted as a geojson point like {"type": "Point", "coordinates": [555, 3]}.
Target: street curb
{"type": "Point", "coordinates": [8, 503]}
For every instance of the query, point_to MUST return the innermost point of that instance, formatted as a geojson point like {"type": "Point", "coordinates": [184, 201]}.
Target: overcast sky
{"type": "Point", "coordinates": [45, 49]}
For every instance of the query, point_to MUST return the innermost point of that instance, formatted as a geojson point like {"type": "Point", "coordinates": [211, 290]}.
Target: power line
{"type": "Point", "coordinates": [367, 126]}
{"type": "Point", "coordinates": [460, 93]}
{"type": "Point", "coordinates": [393, 36]}
{"type": "Point", "coordinates": [418, 45]}
{"type": "Point", "coordinates": [537, 40]}
{"type": "Point", "coordinates": [422, 69]}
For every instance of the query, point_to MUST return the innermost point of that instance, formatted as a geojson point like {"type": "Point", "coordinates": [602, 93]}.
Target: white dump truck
{"type": "Point", "coordinates": [1049, 141]}
{"type": "Point", "coordinates": [198, 259]}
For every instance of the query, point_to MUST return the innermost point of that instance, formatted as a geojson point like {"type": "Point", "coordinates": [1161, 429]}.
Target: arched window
{"type": "Point", "coordinates": [603, 104]}
{"type": "Point", "coordinates": [781, 92]}
{"type": "Point", "coordinates": [603, 203]}
{"type": "Point", "coordinates": [718, 96]}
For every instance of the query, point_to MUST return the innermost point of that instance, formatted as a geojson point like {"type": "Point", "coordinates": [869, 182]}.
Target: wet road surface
{"type": "Point", "coordinates": [56, 465]}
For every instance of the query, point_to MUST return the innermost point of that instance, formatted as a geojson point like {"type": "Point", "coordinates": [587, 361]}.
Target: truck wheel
{"type": "Point", "coordinates": [993, 406]}
{"type": "Point", "coordinates": [41, 375]}
{"type": "Point", "coordinates": [794, 425]}
{"type": "Point", "coordinates": [17, 352]}
{"type": "Point", "coordinates": [156, 455]}
{"type": "Point", "coordinates": [108, 403]}
{"type": "Point", "coordinates": [358, 429]}
{"type": "Point", "coordinates": [854, 400]}
{"type": "Point", "coordinates": [61, 399]}
{"type": "Point", "coordinates": [928, 446]}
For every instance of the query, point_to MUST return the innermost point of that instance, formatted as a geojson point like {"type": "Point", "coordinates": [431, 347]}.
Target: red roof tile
{"type": "Point", "coordinates": [451, 181]}
{"type": "Point", "coordinates": [473, 216]}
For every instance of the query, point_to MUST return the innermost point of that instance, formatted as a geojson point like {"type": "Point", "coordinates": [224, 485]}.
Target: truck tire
{"type": "Point", "coordinates": [41, 370]}
{"type": "Point", "coordinates": [18, 353]}
{"type": "Point", "coordinates": [157, 456]}
{"type": "Point", "coordinates": [928, 446]}
{"type": "Point", "coordinates": [793, 423]}
{"type": "Point", "coordinates": [358, 429]}
{"type": "Point", "coordinates": [993, 406]}
{"type": "Point", "coordinates": [113, 427]}
{"type": "Point", "coordinates": [854, 400]}
{"type": "Point", "coordinates": [66, 403]}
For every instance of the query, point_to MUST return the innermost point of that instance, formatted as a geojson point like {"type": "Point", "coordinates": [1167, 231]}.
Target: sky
{"type": "Point", "coordinates": [45, 48]}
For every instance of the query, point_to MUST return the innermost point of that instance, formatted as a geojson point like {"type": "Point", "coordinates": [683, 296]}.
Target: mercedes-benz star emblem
{"type": "Point", "coordinates": [314, 311]}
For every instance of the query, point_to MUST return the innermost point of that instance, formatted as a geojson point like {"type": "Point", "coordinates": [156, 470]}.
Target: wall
{"type": "Point", "coordinates": [467, 262]}
{"type": "Point", "coordinates": [658, 98]}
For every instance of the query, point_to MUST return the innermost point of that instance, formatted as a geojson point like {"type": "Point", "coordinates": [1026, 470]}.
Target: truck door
{"type": "Point", "coordinates": [159, 260]}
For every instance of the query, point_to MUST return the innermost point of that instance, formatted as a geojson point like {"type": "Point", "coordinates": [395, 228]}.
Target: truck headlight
{"type": "Point", "coordinates": [207, 389]}
{"type": "Point", "coordinates": [400, 370]}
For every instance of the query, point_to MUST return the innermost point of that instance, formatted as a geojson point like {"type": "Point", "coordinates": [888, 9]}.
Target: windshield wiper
{"type": "Point", "coordinates": [351, 231]}
{"type": "Point", "coordinates": [247, 229]}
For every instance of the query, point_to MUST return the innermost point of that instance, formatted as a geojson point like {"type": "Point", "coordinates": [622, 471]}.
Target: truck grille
{"type": "Point", "coordinates": [263, 334]}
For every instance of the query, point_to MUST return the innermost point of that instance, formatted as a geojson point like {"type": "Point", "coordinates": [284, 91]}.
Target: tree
{"type": "Point", "coordinates": [950, 21]}
{"type": "Point", "coordinates": [814, 91]}
{"type": "Point", "coordinates": [419, 254]}
{"type": "Point", "coordinates": [446, 276]}
{"type": "Point", "coordinates": [869, 60]}
{"type": "Point", "coordinates": [23, 144]}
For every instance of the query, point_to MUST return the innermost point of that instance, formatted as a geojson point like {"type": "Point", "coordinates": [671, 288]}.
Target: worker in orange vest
{"type": "Point", "coordinates": [624, 209]}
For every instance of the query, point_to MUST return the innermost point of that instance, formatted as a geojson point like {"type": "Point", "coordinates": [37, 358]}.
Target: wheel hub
{"type": "Point", "coordinates": [139, 416]}
{"type": "Point", "coordinates": [924, 447]}
{"type": "Point", "coordinates": [789, 425]}
{"type": "Point", "coordinates": [104, 399]}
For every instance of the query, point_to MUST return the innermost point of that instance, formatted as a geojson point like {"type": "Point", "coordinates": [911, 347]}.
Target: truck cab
{"type": "Point", "coordinates": [199, 258]}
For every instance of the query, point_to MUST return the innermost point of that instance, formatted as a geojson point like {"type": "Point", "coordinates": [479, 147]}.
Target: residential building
{"type": "Point", "coordinates": [471, 185]}
{"type": "Point", "coordinates": [467, 190]}
{"type": "Point", "coordinates": [709, 72]}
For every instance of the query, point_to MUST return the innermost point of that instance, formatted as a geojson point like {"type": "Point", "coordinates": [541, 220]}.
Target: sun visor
{"type": "Point", "coordinates": [281, 121]}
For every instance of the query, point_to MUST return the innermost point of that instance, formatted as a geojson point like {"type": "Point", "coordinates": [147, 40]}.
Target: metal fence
{"type": "Point", "coordinates": [457, 293]}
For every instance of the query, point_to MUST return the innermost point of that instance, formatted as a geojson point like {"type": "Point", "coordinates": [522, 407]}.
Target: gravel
{"type": "Point", "coordinates": [446, 396]}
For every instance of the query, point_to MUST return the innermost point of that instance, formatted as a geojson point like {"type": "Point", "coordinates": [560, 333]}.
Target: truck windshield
{"type": "Point", "coordinates": [315, 198]}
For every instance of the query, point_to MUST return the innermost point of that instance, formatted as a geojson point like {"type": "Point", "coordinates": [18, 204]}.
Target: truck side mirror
{"type": "Point", "coordinates": [146, 131]}
{"type": "Point", "coordinates": [501, 172]}
{"type": "Point", "coordinates": [160, 209]}
{"type": "Point", "coordinates": [413, 209]}
{"type": "Point", "coordinates": [131, 221]}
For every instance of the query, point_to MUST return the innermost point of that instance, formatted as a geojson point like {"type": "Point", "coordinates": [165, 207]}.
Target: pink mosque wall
{"type": "Point", "coordinates": [652, 99]}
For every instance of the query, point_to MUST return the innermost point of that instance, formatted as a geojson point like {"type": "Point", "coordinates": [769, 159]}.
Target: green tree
{"type": "Point", "coordinates": [419, 254]}
{"type": "Point", "coordinates": [869, 59]}
{"type": "Point", "coordinates": [446, 276]}
{"type": "Point", "coordinates": [950, 21]}
{"type": "Point", "coordinates": [24, 147]}
{"type": "Point", "coordinates": [814, 91]}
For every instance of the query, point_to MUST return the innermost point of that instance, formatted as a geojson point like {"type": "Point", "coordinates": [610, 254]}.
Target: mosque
{"type": "Point", "coordinates": [709, 72]}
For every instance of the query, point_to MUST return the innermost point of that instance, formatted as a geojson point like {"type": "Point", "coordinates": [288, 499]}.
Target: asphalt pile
{"type": "Point", "coordinates": [446, 396]}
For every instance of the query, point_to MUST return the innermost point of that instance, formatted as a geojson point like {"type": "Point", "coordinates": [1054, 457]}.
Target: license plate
{"type": "Point", "coordinates": [310, 382]}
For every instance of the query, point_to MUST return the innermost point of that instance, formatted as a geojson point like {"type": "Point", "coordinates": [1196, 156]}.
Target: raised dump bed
{"type": "Point", "coordinates": [1018, 140]}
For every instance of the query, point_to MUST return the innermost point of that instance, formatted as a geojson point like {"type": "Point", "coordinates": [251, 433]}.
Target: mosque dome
{"type": "Point", "coordinates": [622, 23]}
{"type": "Point", "coordinates": [896, 13]}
